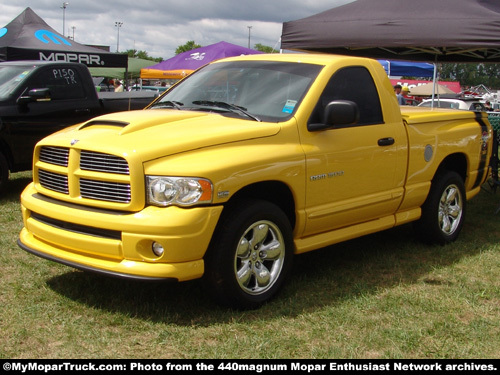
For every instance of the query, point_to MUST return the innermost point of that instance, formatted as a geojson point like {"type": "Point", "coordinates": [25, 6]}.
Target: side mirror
{"type": "Point", "coordinates": [337, 113]}
{"type": "Point", "coordinates": [35, 95]}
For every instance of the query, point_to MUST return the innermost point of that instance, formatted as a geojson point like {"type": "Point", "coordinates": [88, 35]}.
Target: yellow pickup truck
{"type": "Point", "coordinates": [246, 163]}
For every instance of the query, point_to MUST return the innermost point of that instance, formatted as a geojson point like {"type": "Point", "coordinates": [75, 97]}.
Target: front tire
{"type": "Point", "coordinates": [250, 254]}
{"type": "Point", "coordinates": [443, 212]}
{"type": "Point", "coordinates": [4, 172]}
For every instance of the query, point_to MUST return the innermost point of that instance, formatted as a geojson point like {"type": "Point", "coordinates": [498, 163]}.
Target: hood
{"type": "Point", "coordinates": [159, 132]}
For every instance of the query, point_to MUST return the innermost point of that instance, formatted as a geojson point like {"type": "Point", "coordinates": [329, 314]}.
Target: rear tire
{"type": "Point", "coordinates": [443, 212]}
{"type": "Point", "coordinates": [250, 255]}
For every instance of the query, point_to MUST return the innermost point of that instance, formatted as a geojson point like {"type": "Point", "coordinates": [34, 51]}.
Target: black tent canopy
{"type": "Point", "coordinates": [416, 30]}
{"type": "Point", "coordinates": [29, 37]}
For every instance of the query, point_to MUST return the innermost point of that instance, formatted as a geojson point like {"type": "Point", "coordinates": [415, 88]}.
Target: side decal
{"type": "Point", "coordinates": [483, 163]}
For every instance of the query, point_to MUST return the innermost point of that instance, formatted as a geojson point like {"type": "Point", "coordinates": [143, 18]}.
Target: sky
{"type": "Point", "coordinates": [158, 27]}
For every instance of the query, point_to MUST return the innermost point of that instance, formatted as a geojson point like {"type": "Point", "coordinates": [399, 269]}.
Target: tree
{"type": "Point", "coordinates": [142, 55]}
{"type": "Point", "coordinates": [187, 47]}
{"type": "Point", "coordinates": [263, 48]}
{"type": "Point", "coordinates": [470, 74]}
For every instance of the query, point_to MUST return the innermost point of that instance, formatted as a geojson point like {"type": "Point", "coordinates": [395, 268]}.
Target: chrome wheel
{"type": "Point", "coordinates": [450, 209]}
{"type": "Point", "coordinates": [444, 210]}
{"type": "Point", "coordinates": [250, 255]}
{"type": "Point", "coordinates": [259, 257]}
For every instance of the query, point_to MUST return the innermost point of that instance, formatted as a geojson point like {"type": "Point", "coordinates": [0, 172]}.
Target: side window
{"type": "Point", "coordinates": [354, 84]}
{"type": "Point", "coordinates": [64, 83]}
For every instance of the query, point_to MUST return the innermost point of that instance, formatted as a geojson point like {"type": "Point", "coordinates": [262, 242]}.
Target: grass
{"type": "Point", "coordinates": [381, 296]}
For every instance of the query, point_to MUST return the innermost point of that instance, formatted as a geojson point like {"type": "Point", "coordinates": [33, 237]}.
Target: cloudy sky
{"type": "Point", "coordinates": [160, 26]}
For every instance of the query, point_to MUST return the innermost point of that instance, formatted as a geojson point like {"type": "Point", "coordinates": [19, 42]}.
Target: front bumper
{"type": "Point", "coordinates": [118, 243]}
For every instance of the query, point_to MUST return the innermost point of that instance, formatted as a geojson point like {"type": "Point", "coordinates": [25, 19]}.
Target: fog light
{"type": "Point", "coordinates": [158, 249]}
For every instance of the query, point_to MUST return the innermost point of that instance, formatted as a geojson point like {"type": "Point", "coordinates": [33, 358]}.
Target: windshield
{"type": "Point", "coordinates": [10, 78]}
{"type": "Point", "coordinates": [256, 90]}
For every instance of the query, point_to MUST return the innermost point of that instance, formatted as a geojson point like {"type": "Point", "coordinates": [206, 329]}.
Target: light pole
{"type": "Point", "coordinates": [249, 28]}
{"type": "Point", "coordinates": [63, 7]}
{"type": "Point", "coordinates": [73, 27]}
{"type": "Point", "coordinates": [118, 25]}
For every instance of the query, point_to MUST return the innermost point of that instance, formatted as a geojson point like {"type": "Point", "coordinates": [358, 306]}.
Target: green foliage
{"type": "Point", "coordinates": [470, 74]}
{"type": "Point", "coordinates": [263, 48]}
{"type": "Point", "coordinates": [187, 47]}
{"type": "Point", "coordinates": [142, 55]}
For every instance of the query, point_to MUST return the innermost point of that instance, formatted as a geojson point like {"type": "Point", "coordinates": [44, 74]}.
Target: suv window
{"type": "Point", "coordinates": [64, 83]}
{"type": "Point", "coordinates": [354, 84]}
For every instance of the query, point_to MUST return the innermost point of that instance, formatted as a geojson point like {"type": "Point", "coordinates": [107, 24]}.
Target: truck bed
{"type": "Point", "coordinates": [416, 115]}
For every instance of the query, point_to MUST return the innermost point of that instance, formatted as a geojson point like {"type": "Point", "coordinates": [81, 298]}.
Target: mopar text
{"type": "Point", "coordinates": [82, 58]}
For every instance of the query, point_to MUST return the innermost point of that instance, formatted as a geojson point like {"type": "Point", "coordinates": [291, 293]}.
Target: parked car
{"type": "Point", "coordinates": [38, 98]}
{"type": "Point", "coordinates": [464, 104]}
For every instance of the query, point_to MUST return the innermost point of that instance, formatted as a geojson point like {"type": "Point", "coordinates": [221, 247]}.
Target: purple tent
{"type": "Point", "coordinates": [185, 63]}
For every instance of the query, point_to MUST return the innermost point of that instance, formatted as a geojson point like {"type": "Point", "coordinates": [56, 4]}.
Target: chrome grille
{"type": "Point", "coordinates": [107, 187]}
{"type": "Point", "coordinates": [99, 162]}
{"type": "Point", "coordinates": [55, 155]}
{"type": "Point", "coordinates": [53, 181]}
{"type": "Point", "coordinates": [105, 191]}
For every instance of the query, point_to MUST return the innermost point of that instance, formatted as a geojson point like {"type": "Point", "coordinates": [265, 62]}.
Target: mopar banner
{"type": "Point", "coordinates": [28, 37]}
{"type": "Point", "coordinates": [95, 59]}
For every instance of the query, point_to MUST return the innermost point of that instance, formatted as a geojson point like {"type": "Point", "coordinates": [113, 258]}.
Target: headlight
{"type": "Point", "coordinates": [182, 191]}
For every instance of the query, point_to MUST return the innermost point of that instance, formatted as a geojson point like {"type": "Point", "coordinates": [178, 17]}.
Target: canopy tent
{"type": "Point", "coordinates": [134, 70]}
{"type": "Point", "coordinates": [427, 90]}
{"type": "Point", "coordinates": [423, 30]}
{"type": "Point", "coordinates": [29, 37]}
{"type": "Point", "coordinates": [185, 63]}
{"type": "Point", "coordinates": [405, 68]}
{"type": "Point", "coordinates": [412, 83]}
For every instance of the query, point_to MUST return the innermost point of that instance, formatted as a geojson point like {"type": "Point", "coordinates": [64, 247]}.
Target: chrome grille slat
{"type": "Point", "coordinates": [55, 155]}
{"type": "Point", "coordinates": [106, 191]}
{"type": "Point", "coordinates": [99, 162]}
{"type": "Point", "coordinates": [53, 181]}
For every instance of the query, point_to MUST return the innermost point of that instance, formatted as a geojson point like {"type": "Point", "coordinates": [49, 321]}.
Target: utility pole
{"type": "Point", "coordinates": [249, 28]}
{"type": "Point", "coordinates": [118, 25]}
{"type": "Point", "coordinates": [63, 7]}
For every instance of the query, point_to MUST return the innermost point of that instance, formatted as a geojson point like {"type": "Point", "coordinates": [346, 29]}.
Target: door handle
{"type": "Point", "coordinates": [386, 141]}
{"type": "Point", "coordinates": [82, 110]}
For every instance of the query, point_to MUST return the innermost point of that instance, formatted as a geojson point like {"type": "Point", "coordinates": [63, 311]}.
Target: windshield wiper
{"type": "Point", "coordinates": [168, 103]}
{"type": "Point", "coordinates": [228, 106]}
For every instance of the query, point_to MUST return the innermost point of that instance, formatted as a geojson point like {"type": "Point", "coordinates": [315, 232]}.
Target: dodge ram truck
{"type": "Point", "coordinates": [245, 164]}
{"type": "Point", "coordinates": [38, 98]}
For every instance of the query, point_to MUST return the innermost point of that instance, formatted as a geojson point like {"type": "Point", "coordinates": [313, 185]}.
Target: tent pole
{"type": "Point", "coordinates": [434, 78]}
{"type": "Point", "coordinates": [274, 48]}
{"type": "Point", "coordinates": [433, 85]}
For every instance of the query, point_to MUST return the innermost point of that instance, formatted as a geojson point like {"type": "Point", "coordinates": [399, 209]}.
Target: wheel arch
{"type": "Point", "coordinates": [455, 162]}
{"type": "Point", "coordinates": [275, 192]}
